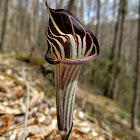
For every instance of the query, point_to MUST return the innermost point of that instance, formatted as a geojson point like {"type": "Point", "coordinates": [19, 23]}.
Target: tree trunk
{"type": "Point", "coordinates": [33, 25]}
{"type": "Point", "coordinates": [57, 4]}
{"type": "Point", "coordinates": [98, 18]}
{"type": "Point", "coordinates": [113, 21]}
{"type": "Point", "coordinates": [114, 8]}
{"type": "Point", "coordinates": [0, 3]}
{"type": "Point", "coordinates": [18, 19]}
{"type": "Point", "coordinates": [114, 89]}
{"type": "Point", "coordinates": [4, 26]}
{"type": "Point", "coordinates": [112, 54]}
{"type": "Point", "coordinates": [25, 24]}
{"type": "Point", "coordinates": [70, 5]}
{"type": "Point", "coordinates": [61, 5]}
{"type": "Point", "coordinates": [82, 11]}
{"type": "Point", "coordinates": [96, 33]}
{"type": "Point", "coordinates": [137, 79]}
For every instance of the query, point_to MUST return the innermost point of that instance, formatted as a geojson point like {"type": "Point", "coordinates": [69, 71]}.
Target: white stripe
{"type": "Point", "coordinates": [79, 46]}
{"type": "Point", "coordinates": [57, 28]}
{"type": "Point", "coordinates": [69, 92]}
{"type": "Point", "coordinates": [73, 90]}
{"type": "Point", "coordinates": [84, 46]}
{"type": "Point", "coordinates": [66, 73]}
{"type": "Point", "coordinates": [60, 46]}
{"type": "Point", "coordinates": [56, 51]}
{"type": "Point", "coordinates": [72, 26]}
{"type": "Point", "coordinates": [60, 91]}
{"type": "Point", "coordinates": [72, 41]}
{"type": "Point", "coordinates": [63, 38]}
{"type": "Point", "coordinates": [70, 99]}
{"type": "Point", "coordinates": [69, 35]}
{"type": "Point", "coordinates": [72, 109]}
{"type": "Point", "coordinates": [66, 88]}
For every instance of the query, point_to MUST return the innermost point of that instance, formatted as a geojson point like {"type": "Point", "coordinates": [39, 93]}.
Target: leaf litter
{"type": "Point", "coordinates": [42, 121]}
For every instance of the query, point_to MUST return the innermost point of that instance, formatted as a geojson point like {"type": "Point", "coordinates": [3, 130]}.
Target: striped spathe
{"type": "Point", "coordinates": [70, 44]}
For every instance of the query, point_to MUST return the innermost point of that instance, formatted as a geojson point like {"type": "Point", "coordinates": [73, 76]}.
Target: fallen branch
{"type": "Point", "coordinates": [27, 103]}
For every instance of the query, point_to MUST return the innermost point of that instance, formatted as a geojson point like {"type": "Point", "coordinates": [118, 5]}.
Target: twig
{"type": "Point", "coordinates": [27, 103]}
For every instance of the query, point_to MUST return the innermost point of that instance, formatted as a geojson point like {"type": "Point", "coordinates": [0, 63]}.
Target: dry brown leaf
{"type": "Point", "coordinates": [35, 121]}
{"type": "Point", "coordinates": [5, 122]}
{"type": "Point", "coordinates": [2, 112]}
{"type": "Point", "coordinates": [34, 100]}
{"type": "Point", "coordinates": [3, 89]}
{"type": "Point", "coordinates": [18, 93]}
{"type": "Point", "coordinates": [77, 131]}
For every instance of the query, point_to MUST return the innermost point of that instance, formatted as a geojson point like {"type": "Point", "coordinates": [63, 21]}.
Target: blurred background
{"type": "Point", "coordinates": [114, 76]}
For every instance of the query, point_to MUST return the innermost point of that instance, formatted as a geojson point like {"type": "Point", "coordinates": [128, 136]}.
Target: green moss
{"type": "Point", "coordinates": [4, 57]}
{"type": "Point", "coordinates": [23, 58]}
{"type": "Point", "coordinates": [37, 62]}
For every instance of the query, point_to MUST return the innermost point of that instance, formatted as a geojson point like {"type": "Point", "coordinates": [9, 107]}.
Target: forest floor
{"type": "Point", "coordinates": [95, 117]}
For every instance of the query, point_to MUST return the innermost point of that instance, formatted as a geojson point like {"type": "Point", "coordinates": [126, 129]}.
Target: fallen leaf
{"type": "Point", "coordinates": [5, 122]}
{"type": "Point", "coordinates": [3, 89]}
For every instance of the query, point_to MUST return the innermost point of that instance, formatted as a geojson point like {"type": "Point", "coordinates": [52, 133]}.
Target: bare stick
{"type": "Point", "coordinates": [27, 103]}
